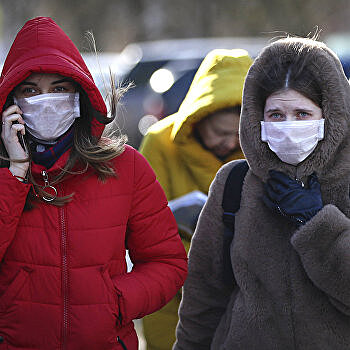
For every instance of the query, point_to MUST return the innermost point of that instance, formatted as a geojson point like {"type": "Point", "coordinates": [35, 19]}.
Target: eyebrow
{"type": "Point", "coordinates": [273, 110]}
{"type": "Point", "coordinates": [300, 109]}
{"type": "Point", "coordinates": [64, 80]}
{"type": "Point", "coordinates": [304, 110]}
{"type": "Point", "coordinates": [53, 83]}
{"type": "Point", "coordinates": [27, 83]}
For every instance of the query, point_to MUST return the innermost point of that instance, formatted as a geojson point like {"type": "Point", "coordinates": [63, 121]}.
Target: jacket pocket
{"type": "Point", "coordinates": [3, 345]}
{"type": "Point", "coordinates": [113, 297]}
{"type": "Point", "coordinates": [122, 343]}
{"type": "Point", "coordinates": [14, 288]}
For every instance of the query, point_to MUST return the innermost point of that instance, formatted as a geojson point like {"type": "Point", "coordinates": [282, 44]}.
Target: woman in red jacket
{"type": "Point", "coordinates": [71, 203]}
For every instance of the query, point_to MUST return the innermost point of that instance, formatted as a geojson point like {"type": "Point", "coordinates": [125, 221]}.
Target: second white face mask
{"type": "Point", "coordinates": [48, 116]}
{"type": "Point", "coordinates": [292, 141]}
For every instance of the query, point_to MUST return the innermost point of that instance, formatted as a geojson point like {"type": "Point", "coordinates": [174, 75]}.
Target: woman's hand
{"type": "Point", "coordinates": [291, 199]}
{"type": "Point", "coordinates": [12, 124]}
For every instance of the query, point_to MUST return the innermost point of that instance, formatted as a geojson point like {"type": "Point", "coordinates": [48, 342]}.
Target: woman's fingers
{"type": "Point", "coordinates": [9, 119]}
{"type": "Point", "coordinates": [17, 128]}
{"type": "Point", "coordinates": [10, 126]}
{"type": "Point", "coordinates": [12, 122]}
{"type": "Point", "coordinates": [14, 109]}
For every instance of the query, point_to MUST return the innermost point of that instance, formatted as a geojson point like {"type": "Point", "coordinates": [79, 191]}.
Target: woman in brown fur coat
{"type": "Point", "coordinates": [291, 248]}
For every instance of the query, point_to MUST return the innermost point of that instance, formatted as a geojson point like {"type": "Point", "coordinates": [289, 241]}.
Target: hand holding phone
{"type": "Point", "coordinates": [12, 136]}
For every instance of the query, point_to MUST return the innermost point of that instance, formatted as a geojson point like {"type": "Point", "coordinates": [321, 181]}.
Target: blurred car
{"type": "Point", "coordinates": [340, 44]}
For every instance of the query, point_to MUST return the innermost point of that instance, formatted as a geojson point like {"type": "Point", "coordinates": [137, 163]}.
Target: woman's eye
{"type": "Point", "coordinates": [65, 87]}
{"type": "Point", "coordinates": [60, 89]}
{"type": "Point", "coordinates": [29, 90]}
{"type": "Point", "coordinates": [276, 116]}
{"type": "Point", "coordinates": [303, 115]}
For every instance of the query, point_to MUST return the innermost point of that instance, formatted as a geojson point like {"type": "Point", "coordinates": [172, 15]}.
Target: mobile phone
{"type": "Point", "coordinates": [22, 141]}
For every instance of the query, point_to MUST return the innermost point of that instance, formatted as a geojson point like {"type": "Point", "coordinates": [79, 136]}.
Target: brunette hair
{"type": "Point", "coordinates": [232, 109]}
{"type": "Point", "coordinates": [87, 150]}
{"type": "Point", "coordinates": [295, 71]}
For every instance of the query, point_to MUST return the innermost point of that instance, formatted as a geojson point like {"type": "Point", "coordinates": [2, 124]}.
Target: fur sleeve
{"type": "Point", "coordinates": [205, 296]}
{"type": "Point", "coordinates": [323, 245]}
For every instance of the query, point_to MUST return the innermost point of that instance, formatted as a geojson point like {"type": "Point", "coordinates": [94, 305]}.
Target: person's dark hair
{"type": "Point", "coordinates": [290, 73]}
{"type": "Point", "coordinates": [87, 150]}
{"type": "Point", "coordinates": [233, 109]}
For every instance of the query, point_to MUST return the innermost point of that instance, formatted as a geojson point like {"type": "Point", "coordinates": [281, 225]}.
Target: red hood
{"type": "Point", "coordinates": [42, 46]}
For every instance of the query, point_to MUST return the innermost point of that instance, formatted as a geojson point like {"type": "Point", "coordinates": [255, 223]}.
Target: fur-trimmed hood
{"type": "Point", "coordinates": [331, 158]}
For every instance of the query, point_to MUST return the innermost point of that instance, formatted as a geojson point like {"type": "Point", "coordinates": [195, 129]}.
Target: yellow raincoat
{"type": "Point", "coordinates": [181, 163]}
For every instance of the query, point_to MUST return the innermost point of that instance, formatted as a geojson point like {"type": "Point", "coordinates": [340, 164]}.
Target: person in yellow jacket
{"type": "Point", "coordinates": [187, 148]}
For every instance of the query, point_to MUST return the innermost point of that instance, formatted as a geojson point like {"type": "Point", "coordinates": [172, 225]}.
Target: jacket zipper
{"type": "Point", "coordinates": [64, 276]}
{"type": "Point", "coordinates": [64, 273]}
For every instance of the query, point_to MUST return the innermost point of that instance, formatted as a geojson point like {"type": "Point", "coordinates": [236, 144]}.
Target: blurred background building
{"type": "Point", "coordinates": [158, 44]}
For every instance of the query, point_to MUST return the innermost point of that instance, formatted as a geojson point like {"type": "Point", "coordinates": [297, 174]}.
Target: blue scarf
{"type": "Point", "coordinates": [51, 153]}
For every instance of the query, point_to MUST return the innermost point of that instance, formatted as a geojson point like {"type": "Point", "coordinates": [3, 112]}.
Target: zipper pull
{"type": "Point", "coordinates": [301, 183]}
{"type": "Point", "coordinates": [48, 186]}
{"type": "Point", "coordinates": [297, 178]}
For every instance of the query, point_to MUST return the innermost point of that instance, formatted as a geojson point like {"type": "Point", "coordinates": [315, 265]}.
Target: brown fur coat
{"type": "Point", "coordinates": [292, 286]}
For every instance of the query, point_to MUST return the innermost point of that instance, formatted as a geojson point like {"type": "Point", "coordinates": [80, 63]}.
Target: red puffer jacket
{"type": "Point", "coordinates": [63, 278]}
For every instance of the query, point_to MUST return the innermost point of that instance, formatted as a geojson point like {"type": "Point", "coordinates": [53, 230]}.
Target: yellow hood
{"type": "Point", "coordinates": [217, 84]}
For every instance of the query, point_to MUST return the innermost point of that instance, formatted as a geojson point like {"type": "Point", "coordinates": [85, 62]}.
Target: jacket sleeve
{"type": "Point", "coordinates": [323, 244]}
{"type": "Point", "coordinates": [205, 296]}
{"type": "Point", "coordinates": [153, 150]}
{"type": "Point", "coordinates": [155, 248]}
{"type": "Point", "coordinates": [13, 196]}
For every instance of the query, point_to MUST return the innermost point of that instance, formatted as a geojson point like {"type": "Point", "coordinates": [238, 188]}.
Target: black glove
{"type": "Point", "coordinates": [291, 199]}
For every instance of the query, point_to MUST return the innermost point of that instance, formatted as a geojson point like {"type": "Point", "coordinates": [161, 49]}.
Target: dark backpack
{"type": "Point", "coordinates": [230, 203]}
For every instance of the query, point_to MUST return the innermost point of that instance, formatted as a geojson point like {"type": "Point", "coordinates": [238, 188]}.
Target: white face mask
{"type": "Point", "coordinates": [48, 116]}
{"type": "Point", "coordinates": [292, 141]}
